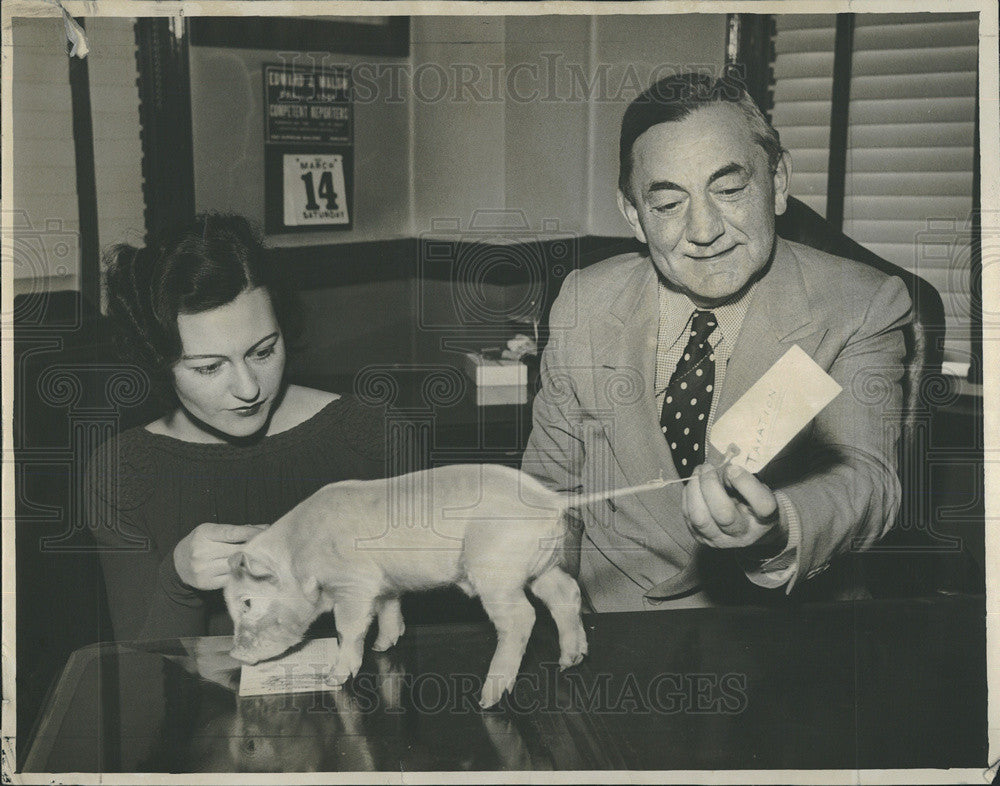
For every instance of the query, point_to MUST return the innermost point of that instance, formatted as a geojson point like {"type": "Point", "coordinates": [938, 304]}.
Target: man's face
{"type": "Point", "coordinates": [705, 202]}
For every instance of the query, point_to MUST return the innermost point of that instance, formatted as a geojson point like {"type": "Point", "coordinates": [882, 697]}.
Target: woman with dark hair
{"type": "Point", "coordinates": [200, 310]}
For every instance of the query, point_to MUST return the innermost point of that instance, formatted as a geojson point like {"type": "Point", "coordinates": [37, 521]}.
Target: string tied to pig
{"type": "Point", "coordinates": [576, 500]}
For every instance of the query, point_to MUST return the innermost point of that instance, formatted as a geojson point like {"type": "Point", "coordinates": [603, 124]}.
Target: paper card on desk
{"type": "Point", "coordinates": [209, 658]}
{"type": "Point", "coordinates": [778, 406]}
{"type": "Point", "coordinates": [302, 671]}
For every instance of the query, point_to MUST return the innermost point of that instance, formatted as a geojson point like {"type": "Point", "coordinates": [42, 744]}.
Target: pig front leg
{"type": "Point", "coordinates": [353, 619]}
{"type": "Point", "coordinates": [390, 624]}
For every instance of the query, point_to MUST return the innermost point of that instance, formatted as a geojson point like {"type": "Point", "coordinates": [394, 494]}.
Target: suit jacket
{"type": "Point", "coordinates": [596, 424]}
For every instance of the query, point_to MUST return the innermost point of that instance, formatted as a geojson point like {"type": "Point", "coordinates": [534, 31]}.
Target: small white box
{"type": "Point", "coordinates": [501, 394]}
{"type": "Point", "coordinates": [488, 373]}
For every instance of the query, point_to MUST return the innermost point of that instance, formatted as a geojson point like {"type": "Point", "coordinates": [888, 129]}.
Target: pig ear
{"type": "Point", "coordinates": [237, 561]}
{"type": "Point", "coordinates": [258, 569]}
{"type": "Point", "coordinates": [311, 589]}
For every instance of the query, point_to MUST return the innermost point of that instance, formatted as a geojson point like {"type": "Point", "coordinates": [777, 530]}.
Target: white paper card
{"type": "Point", "coordinates": [302, 671]}
{"type": "Point", "coordinates": [778, 406]}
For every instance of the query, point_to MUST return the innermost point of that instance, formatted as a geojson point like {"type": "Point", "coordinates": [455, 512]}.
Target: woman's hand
{"type": "Point", "coordinates": [202, 558]}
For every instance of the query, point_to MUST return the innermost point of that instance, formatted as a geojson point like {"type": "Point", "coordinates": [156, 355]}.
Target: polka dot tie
{"type": "Point", "coordinates": [689, 397]}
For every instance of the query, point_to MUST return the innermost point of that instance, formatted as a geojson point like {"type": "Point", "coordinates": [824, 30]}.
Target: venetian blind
{"type": "Point", "coordinates": [908, 189]}
{"type": "Point", "coordinates": [114, 100]}
{"type": "Point", "coordinates": [45, 218]}
{"type": "Point", "coordinates": [803, 85]}
{"type": "Point", "coordinates": [45, 212]}
{"type": "Point", "coordinates": [910, 152]}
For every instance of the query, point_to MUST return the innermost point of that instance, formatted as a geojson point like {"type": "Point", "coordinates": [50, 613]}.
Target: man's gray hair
{"type": "Point", "coordinates": [673, 98]}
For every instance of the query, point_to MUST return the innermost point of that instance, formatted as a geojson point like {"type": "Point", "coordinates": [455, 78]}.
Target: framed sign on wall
{"type": "Point", "coordinates": [308, 148]}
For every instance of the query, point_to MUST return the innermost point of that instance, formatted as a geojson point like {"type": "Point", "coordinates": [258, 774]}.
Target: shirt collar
{"type": "Point", "coordinates": [676, 310]}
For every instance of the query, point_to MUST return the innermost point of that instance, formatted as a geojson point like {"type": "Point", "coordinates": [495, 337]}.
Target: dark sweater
{"type": "Point", "coordinates": [146, 492]}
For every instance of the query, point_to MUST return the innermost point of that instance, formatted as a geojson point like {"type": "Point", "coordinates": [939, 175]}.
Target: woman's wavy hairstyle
{"type": "Point", "coordinates": [186, 270]}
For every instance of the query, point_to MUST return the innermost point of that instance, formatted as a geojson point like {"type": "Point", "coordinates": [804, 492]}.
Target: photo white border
{"type": "Point", "coordinates": [990, 199]}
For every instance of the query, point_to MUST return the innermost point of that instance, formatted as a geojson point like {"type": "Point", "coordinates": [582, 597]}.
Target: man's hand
{"type": "Point", "coordinates": [730, 508]}
{"type": "Point", "coordinates": [202, 558]}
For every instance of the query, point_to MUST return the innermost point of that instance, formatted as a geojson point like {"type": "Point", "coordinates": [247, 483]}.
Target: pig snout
{"type": "Point", "coordinates": [244, 656]}
{"type": "Point", "coordinates": [245, 648]}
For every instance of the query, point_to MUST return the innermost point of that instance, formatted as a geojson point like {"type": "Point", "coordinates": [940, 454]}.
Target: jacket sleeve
{"type": "Point", "coordinates": [555, 450]}
{"type": "Point", "coordinates": [844, 486]}
{"type": "Point", "coordinates": [554, 453]}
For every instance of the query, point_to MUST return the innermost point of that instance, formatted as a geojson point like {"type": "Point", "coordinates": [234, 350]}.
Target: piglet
{"type": "Point", "coordinates": [354, 547]}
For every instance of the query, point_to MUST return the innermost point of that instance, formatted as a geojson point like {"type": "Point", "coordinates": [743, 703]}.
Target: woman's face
{"type": "Point", "coordinates": [232, 361]}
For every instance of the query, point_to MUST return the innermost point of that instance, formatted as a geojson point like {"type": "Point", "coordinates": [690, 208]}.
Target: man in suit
{"type": "Point", "coordinates": [647, 350]}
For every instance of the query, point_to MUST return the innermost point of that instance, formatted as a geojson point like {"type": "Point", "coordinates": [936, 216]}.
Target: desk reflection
{"type": "Point", "coordinates": [391, 717]}
{"type": "Point", "coordinates": [868, 684]}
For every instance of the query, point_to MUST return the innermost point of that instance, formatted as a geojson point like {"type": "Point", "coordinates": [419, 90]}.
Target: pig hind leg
{"type": "Point", "coordinates": [497, 566]}
{"type": "Point", "coordinates": [513, 617]}
{"type": "Point", "coordinates": [390, 624]}
{"type": "Point", "coordinates": [561, 595]}
{"type": "Point", "coordinates": [353, 617]}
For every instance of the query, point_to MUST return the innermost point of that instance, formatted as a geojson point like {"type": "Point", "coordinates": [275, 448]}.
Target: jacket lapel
{"type": "Point", "coordinates": [623, 332]}
{"type": "Point", "coordinates": [624, 372]}
{"type": "Point", "coordinates": [778, 316]}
